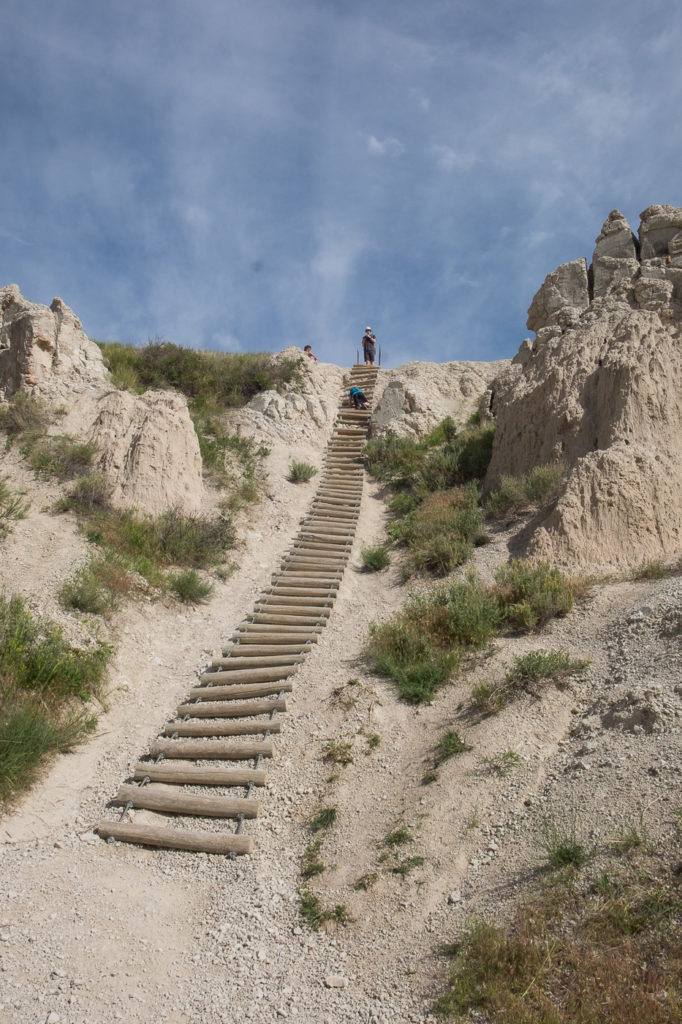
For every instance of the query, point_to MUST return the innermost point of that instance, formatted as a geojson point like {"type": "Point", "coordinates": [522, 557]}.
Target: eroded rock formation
{"type": "Point", "coordinates": [44, 349]}
{"type": "Point", "coordinates": [600, 389]}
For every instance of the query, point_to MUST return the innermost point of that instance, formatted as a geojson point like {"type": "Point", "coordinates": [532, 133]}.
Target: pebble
{"type": "Point", "coordinates": [335, 981]}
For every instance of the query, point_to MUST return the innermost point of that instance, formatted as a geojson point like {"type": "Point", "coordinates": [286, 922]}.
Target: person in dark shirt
{"type": "Point", "coordinates": [369, 346]}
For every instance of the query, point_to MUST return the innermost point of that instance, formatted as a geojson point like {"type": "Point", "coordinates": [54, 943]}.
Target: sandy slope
{"type": "Point", "coordinates": [97, 933]}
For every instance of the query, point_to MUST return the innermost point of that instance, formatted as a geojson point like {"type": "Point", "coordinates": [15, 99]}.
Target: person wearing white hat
{"type": "Point", "coordinates": [369, 346]}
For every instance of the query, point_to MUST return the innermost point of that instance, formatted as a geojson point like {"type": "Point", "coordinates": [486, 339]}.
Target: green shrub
{"type": "Point", "coordinates": [24, 415]}
{"type": "Point", "coordinates": [501, 764]}
{"type": "Point", "coordinates": [561, 843]}
{"type": "Point", "coordinates": [189, 586]}
{"type": "Point", "coordinates": [59, 456]}
{"type": "Point", "coordinates": [89, 493]}
{"type": "Point", "coordinates": [173, 538]}
{"type": "Point", "coordinates": [311, 865]}
{"type": "Point", "coordinates": [654, 569]}
{"type": "Point", "coordinates": [12, 507]}
{"type": "Point", "coordinates": [227, 378]}
{"type": "Point", "coordinates": [96, 587]}
{"type": "Point", "coordinates": [375, 559]}
{"type": "Point", "coordinates": [423, 645]}
{"type": "Point", "coordinates": [518, 494]}
{"type": "Point", "coordinates": [441, 532]}
{"type": "Point", "coordinates": [537, 665]}
{"type": "Point", "coordinates": [42, 680]}
{"type": "Point", "coordinates": [324, 819]}
{"type": "Point", "coordinates": [530, 595]}
{"type": "Point", "coordinates": [488, 698]}
{"type": "Point", "coordinates": [450, 744]}
{"type": "Point", "coordinates": [301, 472]}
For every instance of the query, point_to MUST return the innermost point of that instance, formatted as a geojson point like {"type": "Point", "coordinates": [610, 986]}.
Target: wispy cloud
{"type": "Point", "coordinates": [255, 175]}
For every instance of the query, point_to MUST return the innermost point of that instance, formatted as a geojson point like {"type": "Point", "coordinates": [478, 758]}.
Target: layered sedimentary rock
{"type": "Point", "coordinates": [602, 393]}
{"type": "Point", "coordinates": [148, 449]}
{"type": "Point", "coordinates": [44, 349]}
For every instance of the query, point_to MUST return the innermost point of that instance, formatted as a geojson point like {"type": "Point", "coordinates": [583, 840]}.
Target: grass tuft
{"type": "Point", "coordinates": [375, 559]}
{"type": "Point", "coordinates": [12, 507]}
{"type": "Point", "coordinates": [189, 587]}
{"type": "Point", "coordinates": [501, 764]}
{"type": "Point", "coordinates": [518, 494]}
{"type": "Point", "coordinates": [45, 683]}
{"type": "Point", "coordinates": [324, 819]}
{"type": "Point", "coordinates": [301, 472]}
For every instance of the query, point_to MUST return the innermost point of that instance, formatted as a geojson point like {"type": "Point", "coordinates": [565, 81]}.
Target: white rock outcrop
{"type": "Point", "coordinates": [148, 450]}
{"type": "Point", "coordinates": [412, 399]}
{"type": "Point", "coordinates": [602, 393]}
{"type": "Point", "coordinates": [44, 349]}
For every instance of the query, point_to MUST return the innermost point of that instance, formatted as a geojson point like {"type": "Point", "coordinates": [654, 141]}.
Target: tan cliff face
{"type": "Point", "coordinates": [600, 390]}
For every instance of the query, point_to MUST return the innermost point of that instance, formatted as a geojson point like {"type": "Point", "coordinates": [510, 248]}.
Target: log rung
{"type": "Point", "coordinates": [226, 709]}
{"type": "Point", "coordinates": [211, 750]}
{"type": "Point", "coordinates": [196, 840]}
{"type": "Point", "coordinates": [184, 773]}
{"type": "Point", "coordinates": [212, 693]}
{"type": "Point", "coordinates": [172, 800]}
{"type": "Point", "coordinates": [207, 727]}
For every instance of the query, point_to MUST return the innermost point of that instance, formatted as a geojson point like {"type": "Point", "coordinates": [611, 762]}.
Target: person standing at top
{"type": "Point", "coordinates": [308, 349]}
{"type": "Point", "coordinates": [369, 346]}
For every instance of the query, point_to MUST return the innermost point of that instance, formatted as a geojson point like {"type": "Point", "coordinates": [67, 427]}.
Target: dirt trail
{"type": "Point", "coordinates": [91, 932]}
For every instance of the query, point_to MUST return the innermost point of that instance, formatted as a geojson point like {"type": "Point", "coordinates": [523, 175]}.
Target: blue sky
{"type": "Point", "coordinates": [247, 174]}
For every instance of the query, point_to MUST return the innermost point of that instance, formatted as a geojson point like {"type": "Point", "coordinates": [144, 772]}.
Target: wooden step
{"type": "Point", "coordinates": [185, 773]}
{"type": "Point", "coordinates": [196, 840]}
{"type": "Point", "coordinates": [172, 800]}
{"type": "Point", "coordinates": [211, 750]}
{"type": "Point", "coordinates": [232, 664]}
{"type": "Point", "coordinates": [226, 709]}
{"type": "Point", "coordinates": [321, 611]}
{"type": "Point", "coordinates": [273, 619]}
{"type": "Point", "coordinates": [249, 675]}
{"type": "Point", "coordinates": [243, 690]}
{"type": "Point", "coordinates": [209, 727]}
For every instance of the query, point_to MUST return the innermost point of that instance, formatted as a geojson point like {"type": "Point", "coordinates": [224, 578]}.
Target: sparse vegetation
{"type": "Point", "coordinates": [407, 866]}
{"type": "Point", "coordinates": [314, 914]}
{"type": "Point", "coordinates": [23, 416]}
{"type": "Point", "coordinates": [301, 472]}
{"type": "Point", "coordinates": [12, 507]}
{"type": "Point", "coordinates": [425, 643]}
{"type": "Point", "coordinates": [375, 559]}
{"type": "Point", "coordinates": [501, 764]}
{"type": "Point", "coordinates": [311, 864]}
{"type": "Point", "coordinates": [58, 455]}
{"type": "Point", "coordinates": [541, 664]}
{"type": "Point", "coordinates": [96, 587]}
{"type": "Point", "coordinates": [450, 744]}
{"type": "Point", "coordinates": [365, 882]}
{"type": "Point", "coordinates": [488, 698]}
{"type": "Point", "coordinates": [517, 494]}
{"type": "Point", "coordinates": [45, 684]}
{"type": "Point", "coordinates": [338, 752]}
{"type": "Point", "coordinates": [324, 819]}
{"type": "Point", "coordinates": [654, 569]}
{"type": "Point", "coordinates": [227, 378]}
{"type": "Point", "coordinates": [561, 843]}
{"type": "Point", "coordinates": [608, 950]}
{"type": "Point", "coordinates": [397, 837]}
{"type": "Point", "coordinates": [189, 587]}
{"type": "Point", "coordinates": [434, 511]}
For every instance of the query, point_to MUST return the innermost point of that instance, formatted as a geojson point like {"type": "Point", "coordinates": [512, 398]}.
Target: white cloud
{"type": "Point", "coordinates": [385, 147]}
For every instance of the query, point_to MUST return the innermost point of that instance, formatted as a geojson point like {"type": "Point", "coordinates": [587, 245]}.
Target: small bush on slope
{"type": "Point", "coordinates": [44, 685]}
{"type": "Point", "coordinates": [434, 512]}
{"type": "Point", "coordinates": [424, 644]}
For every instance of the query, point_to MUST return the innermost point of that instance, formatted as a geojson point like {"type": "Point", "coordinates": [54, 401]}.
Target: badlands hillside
{"type": "Point", "coordinates": [563, 797]}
